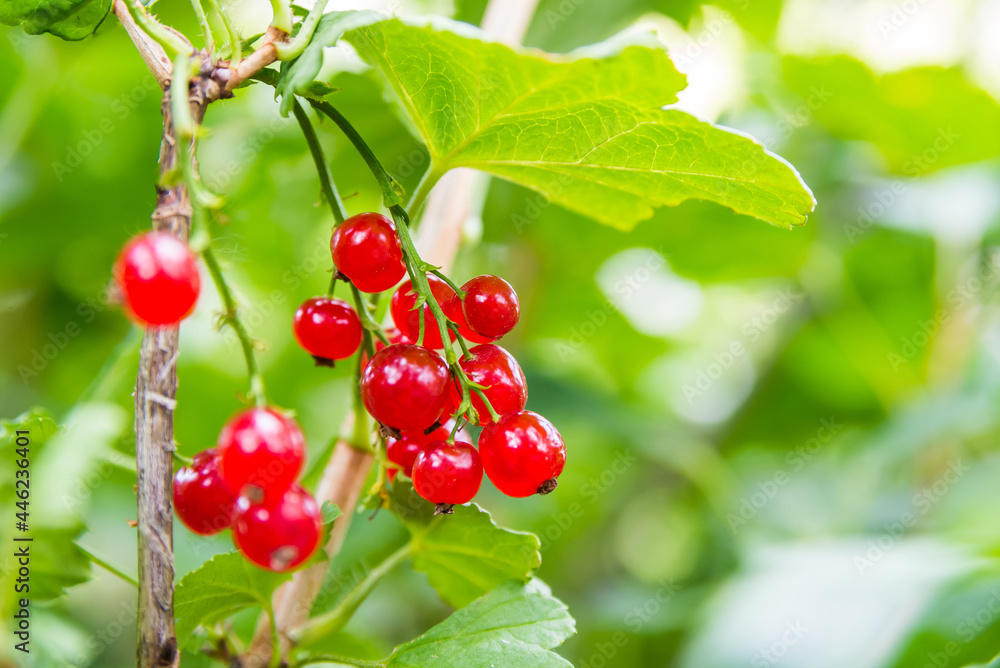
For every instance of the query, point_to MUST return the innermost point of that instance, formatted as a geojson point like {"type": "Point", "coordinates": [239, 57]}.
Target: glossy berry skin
{"type": "Point", "coordinates": [405, 386]}
{"type": "Point", "coordinates": [490, 305]}
{"type": "Point", "coordinates": [403, 451]}
{"type": "Point", "coordinates": [328, 329]}
{"type": "Point", "coordinates": [391, 333]}
{"type": "Point", "coordinates": [453, 309]}
{"type": "Point", "coordinates": [366, 249]}
{"type": "Point", "coordinates": [280, 533]}
{"type": "Point", "coordinates": [522, 454]}
{"type": "Point", "coordinates": [158, 279]}
{"type": "Point", "coordinates": [202, 499]}
{"type": "Point", "coordinates": [407, 319]}
{"type": "Point", "coordinates": [493, 366]}
{"type": "Point", "coordinates": [448, 473]}
{"type": "Point", "coordinates": [261, 453]}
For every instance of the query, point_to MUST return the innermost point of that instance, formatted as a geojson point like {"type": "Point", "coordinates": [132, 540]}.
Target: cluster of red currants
{"type": "Point", "coordinates": [408, 387]}
{"type": "Point", "coordinates": [247, 482]}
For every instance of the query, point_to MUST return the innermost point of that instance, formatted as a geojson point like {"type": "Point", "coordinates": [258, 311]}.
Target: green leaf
{"type": "Point", "coordinates": [588, 132]}
{"type": "Point", "coordinates": [222, 586]}
{"type": "Point", "coordinates": [514, 625]}
{"type": "Point", "coordinates": [69, 19]}
{"type": "Point", "coordinates": [299, 76]}
{"type": "Point", "coordinates": [921, 119]}
{"type": "Point", "coordinates": [995, 663]}
{"type": "Point", "coordinates": [464, 554]}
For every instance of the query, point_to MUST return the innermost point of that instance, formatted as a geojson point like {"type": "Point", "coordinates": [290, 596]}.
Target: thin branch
{"type": "Point", "coordinates": [108, 567]}
{"type": "Point", "coordinates": [231, 318]}
{"type": "Point", "coordinates": [322, 168]}
{"type": "Point", "coordinates": [337, 618]}
{"type": "Point", "coordinates": [235, 43]}
{"type": "Point", "coordinates": [294, 48]}
{"type": "Point", "coordinates": [265, 54]}
{"type": "Point", "coordinates": [206, 29]}
{"type": "Point", "coordinates": [152, 54]}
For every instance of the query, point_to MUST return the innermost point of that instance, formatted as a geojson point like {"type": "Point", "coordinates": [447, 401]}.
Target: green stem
{"type": "Point", "coordinates": [451, 284]}
{"type": "Point", "coordinates": [282, 15]}
{"type": "Point", "coordinates": [108, 567]}
{"type": "Point", "coordinates": [367, 324]}
{"type": "Point", "coordinates": [231, 318]}
{"type": "Point", "coordinates": [173, 43]}
{"type": "Point", "coordinates": [336, 619]}
{"type": "Point", "coordinates": [235, 43]}
{"type": "Point", "coordinates": [322, 168]}
{"type": "Point", "coordinates": [206, 29]}
{"type": "Point", "coordinates": [293, 49]}
{"type": "Point", "coordinates": [391, 194]}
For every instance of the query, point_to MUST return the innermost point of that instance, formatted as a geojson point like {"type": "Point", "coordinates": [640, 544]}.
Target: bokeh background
{"type": "Point", "coordinates": [782, 444]}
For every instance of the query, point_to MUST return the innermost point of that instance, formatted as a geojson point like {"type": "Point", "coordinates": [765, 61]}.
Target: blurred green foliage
{"type": "Point", "coordinates": [782, 444]}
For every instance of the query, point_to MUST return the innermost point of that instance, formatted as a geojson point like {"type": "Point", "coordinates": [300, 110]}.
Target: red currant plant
{"type": "Point", "coordinates": [591, 134]}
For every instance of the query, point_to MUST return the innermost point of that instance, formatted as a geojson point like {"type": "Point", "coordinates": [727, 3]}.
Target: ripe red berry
{"type": "Point", "coordinates": [366, 249]}
{"type": "Point", "coordinates": [405, 386]}
{"type": "Point", "coordinates": [523, 454]}
{"type": "Point", "coordinates": [328, 329]}
{"type": "Point", "coordinates": [279, 533]}
{"type": "Point", "coordinates": [447, 473]}
{"type": "Point", "coordinates": [261, 453]}
{"type": "Point", "coordinates": [490, 305]}
{"type": "Point", "coordinates": [453, 309]}
{"type": "Point", "coordinates": [158, 278]}
{"type": "Point", "coordinates": [496, 368]}
{"type": "Point", "coordinates": [394, 336]}
{"type": "Point", "coordinates": [202, 499]}
{"type": "Point", "coordinates": [408, 320]}
{"type": "Point", "coordinates": [403, 451]}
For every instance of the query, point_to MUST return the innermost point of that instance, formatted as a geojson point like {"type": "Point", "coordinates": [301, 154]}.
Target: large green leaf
{"type": "Point", "coordinates": [921, 119]}
{"type": "Point", "coordinates": [995, 663]}
{"type": "Point", "coordinates": [298, 77]}
{"type": "Point", "coordinates": [514, 625]}
{"type": "Point", "coordinates": [222, 586]}
{"type": "Point", "coordinates": [465, 554]}
{"type": "Point", "coordinates": [69, 19]}
{"type": "Point", "coordinates": [588, 132]}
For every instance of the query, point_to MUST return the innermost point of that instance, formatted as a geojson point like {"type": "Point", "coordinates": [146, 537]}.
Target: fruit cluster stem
{"type": "Point", "coordinates": [231, 317]}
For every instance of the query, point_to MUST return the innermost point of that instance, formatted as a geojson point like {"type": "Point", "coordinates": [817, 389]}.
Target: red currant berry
{"type": "Point", "coordinates": [393, 335]}
{"type": "Point", "coordinates": [202, 499]}
{"type": "Point", "coordinates": [403, 450]}
{"type": "Point", "coordinates": [261, 452]}
{"type": "Point", "coordinates": [280, 533]}
{"type": "Point", "coordinates": [408, 320]}
{"type": "Point", "coordinates": [491, 365]}
{"type": "Point", "coordinates": [523, 454]}
{"type": "Point", "coordinates": [405, 386]}
{"type": "Point", "coordinates": [453, 309]}
{"type": "Point", "coordinates": [447, 474]}
{"type": "Point", "coordinates": [158, 278]}
{"type": "Point", "coordinates": [328, 329]}
{"type": "Point", "coordinates": [366, 249]}
{"type": "Point", "coordinates": [490, 305]}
